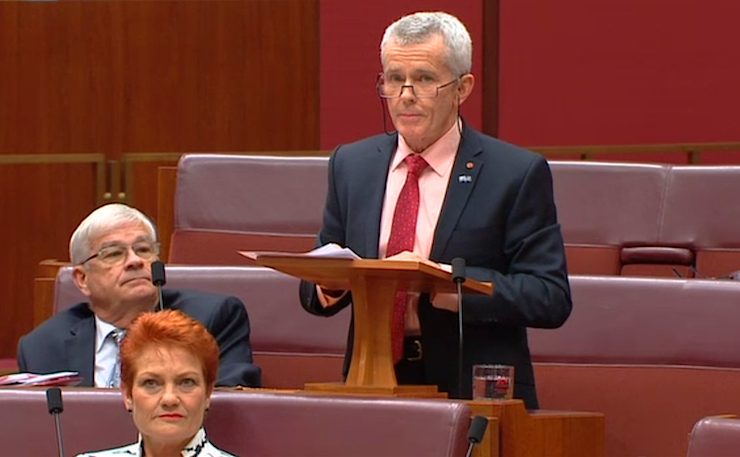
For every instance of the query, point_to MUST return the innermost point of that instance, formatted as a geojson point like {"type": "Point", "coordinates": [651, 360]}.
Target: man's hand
{"type": "Point", "coordinates": [408, 255]}
{"type": "Point", "coordinates": [329, 297]}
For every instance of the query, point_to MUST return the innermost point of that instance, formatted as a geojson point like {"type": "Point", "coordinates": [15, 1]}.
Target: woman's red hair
{"type": "Point", "coordinates": [168, 329]}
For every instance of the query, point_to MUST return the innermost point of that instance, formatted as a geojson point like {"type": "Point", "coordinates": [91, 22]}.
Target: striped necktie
{"type": "Point", "coordinates": [114, 381]}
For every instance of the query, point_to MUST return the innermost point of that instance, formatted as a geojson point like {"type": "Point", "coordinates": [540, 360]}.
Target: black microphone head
{"type": "Point", "coordinates": [54, 400]}
{"type": "Point", "coordinates": [477, 429]}
{"type": "Point", "coordinates": [158, 277]}
{"type": "Point", "coordinates": [458, 269]}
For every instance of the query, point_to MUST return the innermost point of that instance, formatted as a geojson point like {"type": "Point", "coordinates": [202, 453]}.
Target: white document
{"type": "Point", "coordinates": [333, 251]}
{"type": "Point", "coordinates": [328, 251]}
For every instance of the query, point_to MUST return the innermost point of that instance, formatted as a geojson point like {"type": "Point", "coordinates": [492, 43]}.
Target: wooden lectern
{"type": "Point", "coordinates": [373, 284]}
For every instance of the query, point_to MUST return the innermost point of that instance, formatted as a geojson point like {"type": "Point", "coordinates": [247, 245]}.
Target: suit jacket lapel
{"type": "Point", "coordinates": [465, 172]}
{"type": "Point", "coordinates": [80, 350]}
{"type": "Point", "coordinates": [376, 170]}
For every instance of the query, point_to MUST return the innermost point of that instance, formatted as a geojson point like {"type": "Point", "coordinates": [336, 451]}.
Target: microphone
{"type": "Point", "coordinates": [458, 275]}
{"type": "Point", "coordinates": [476, 432]}
{"type": "Point", "coordinates": [54, 402]}
{"type": "Point", "coordinates": [159, 280]}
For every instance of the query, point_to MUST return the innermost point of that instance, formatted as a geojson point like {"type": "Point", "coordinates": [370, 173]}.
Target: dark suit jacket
{"type": "Point", "coordinates": [499, 215]}
{"type": "Point", "coordinates": [67, 340]}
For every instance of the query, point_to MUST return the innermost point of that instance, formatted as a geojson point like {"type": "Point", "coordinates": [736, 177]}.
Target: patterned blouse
{"type": "Point", "coordinates": [199, 446]}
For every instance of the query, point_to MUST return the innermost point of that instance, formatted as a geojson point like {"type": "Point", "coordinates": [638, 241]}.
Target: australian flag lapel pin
{"type": "Point", "coordinates": [466, 178]}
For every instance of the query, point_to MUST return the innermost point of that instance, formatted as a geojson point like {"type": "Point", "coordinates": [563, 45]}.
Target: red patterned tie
{"type": "Point", "coordinates": [403, 233]}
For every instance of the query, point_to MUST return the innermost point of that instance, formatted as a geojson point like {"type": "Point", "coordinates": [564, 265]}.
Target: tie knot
{"type": "Point", "coordinates": [416, 164]}
{"type": "Point", "coordinates": [117, 335]}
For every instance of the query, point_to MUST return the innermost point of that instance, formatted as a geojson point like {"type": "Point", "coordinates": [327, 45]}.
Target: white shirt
{"type": "Point", "coordinates": [199, 446]}
{"type": "Point", "coordinates": [106, 352]}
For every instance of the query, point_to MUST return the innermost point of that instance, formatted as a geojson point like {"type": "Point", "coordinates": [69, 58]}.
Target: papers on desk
{"type": "Point", "coordinates": [62, 378]}
{"type": "Point", "coordinates": [327, 251]}
{"type": "Point", "coordinates": [334, 251]}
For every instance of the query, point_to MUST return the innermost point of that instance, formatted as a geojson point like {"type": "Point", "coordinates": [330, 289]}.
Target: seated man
{"type": "Point", "coordinates": [112, 251]}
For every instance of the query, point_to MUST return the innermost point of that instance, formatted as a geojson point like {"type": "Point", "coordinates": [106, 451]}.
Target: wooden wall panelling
{"type": "Point", "coordinates": [166, 186]}
{"type": "Point", "coordinates": [41, 204]}
{"type": "Point", "coordinates": [140, 177]}
{"type": "Point", "coordinates": [121, 76]}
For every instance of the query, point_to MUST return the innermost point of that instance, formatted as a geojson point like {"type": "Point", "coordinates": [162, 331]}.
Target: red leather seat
{"type": "Point", "coordinates": [247, 424]}
{"type": "Point", "coordinates": [715, 437]}
{"type": "Point", "coordinates": [605, 206]}
{"type": "Point", "coordinates": [701, 213]}
{"type": "Point", "coordinates": [226, 203]}
{"type": "Point", "coordinates": [654, 355]}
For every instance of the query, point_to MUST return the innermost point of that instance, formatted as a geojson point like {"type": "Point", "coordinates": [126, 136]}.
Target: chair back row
{"type": "Point", "coordinates": [640, 219]}
{"type": "Point", "coordinates": [616, 218]}
{"type": "Point", "coordinates": [245, 423]}
{"type": "Point", "coordinates": [654, 355]}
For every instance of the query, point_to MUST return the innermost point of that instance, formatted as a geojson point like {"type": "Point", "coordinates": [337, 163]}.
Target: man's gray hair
{"type": "Point", "coordinates": [420, 27]}
{"type": "Point", "coordinates": [104, 219]}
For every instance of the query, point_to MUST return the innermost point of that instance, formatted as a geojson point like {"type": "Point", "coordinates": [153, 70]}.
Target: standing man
{"type": "Point", "coordinates": [112, 251]}
{"type": "Point", "coordinates": [437, 189]}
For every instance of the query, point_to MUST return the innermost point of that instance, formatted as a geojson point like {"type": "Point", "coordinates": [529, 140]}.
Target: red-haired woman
{"type": "Point", "coordinates": [169, 365]}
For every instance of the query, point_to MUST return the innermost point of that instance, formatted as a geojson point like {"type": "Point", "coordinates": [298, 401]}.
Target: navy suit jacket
{"type": "Point", "coordinates": [66, 342]}
{"type": "Point", "coordinates": [499, 215]}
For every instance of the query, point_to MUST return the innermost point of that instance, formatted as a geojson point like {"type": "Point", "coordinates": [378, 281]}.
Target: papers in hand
{"type": "Point", "coordinates": [62, 378]}
{"type": "Point", "coordinates": [327, 251]}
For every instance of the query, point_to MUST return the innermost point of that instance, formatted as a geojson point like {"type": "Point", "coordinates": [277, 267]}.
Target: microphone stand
{"type": "Point", "coordinates": [458, 275]}
{"type": "Point", "coordinates": [54, 402]}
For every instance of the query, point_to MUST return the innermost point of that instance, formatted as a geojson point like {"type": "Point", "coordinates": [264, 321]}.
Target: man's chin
{"type": "Point", "coordinates": [140, 291]}
{"type": "Point", "coordinates": [408, 132]}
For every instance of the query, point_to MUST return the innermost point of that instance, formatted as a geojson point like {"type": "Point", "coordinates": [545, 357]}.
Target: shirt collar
{"type": "Point", "coordinates": [102, 329]}
{"type": "Point", "coordinates": [439, 155]}
{"type": "Point", "coordinates": [192, 449]}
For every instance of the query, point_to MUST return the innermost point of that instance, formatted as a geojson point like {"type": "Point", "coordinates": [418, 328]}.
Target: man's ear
{"type": "Point", "coordinates": [465, 88]}
{"type": "Point", "coordinates": [79, 274]}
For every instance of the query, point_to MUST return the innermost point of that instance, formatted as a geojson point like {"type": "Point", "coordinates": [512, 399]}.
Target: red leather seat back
{"type": "Point", "coordinates": [603, 207]}
{"type": "Point", "coordinates": [226, 203]}
{"type": "Point", "coordinates": [715, 437]}
{"type": "Point", "coordinates": [701, 212]}
{"type": "Point", "coordinates": [246, 424]}
{"type": "Point", "coordinates": [654, 355]}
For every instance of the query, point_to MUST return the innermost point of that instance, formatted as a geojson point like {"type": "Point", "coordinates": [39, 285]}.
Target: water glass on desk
{"type": "Point", "coordinates": [493, 382]}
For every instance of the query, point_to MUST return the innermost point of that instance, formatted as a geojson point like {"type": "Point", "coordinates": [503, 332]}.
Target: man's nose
{"type": "Point", "coordinates": [409, 94]}
{"type": "Point", "coordinates": [133, 259]}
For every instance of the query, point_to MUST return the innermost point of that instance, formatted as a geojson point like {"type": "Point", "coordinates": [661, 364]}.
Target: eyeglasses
{"type": "Point", "coordinates": [116, 254]}
{"type": "Point", "coordinates": [392, 86]}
